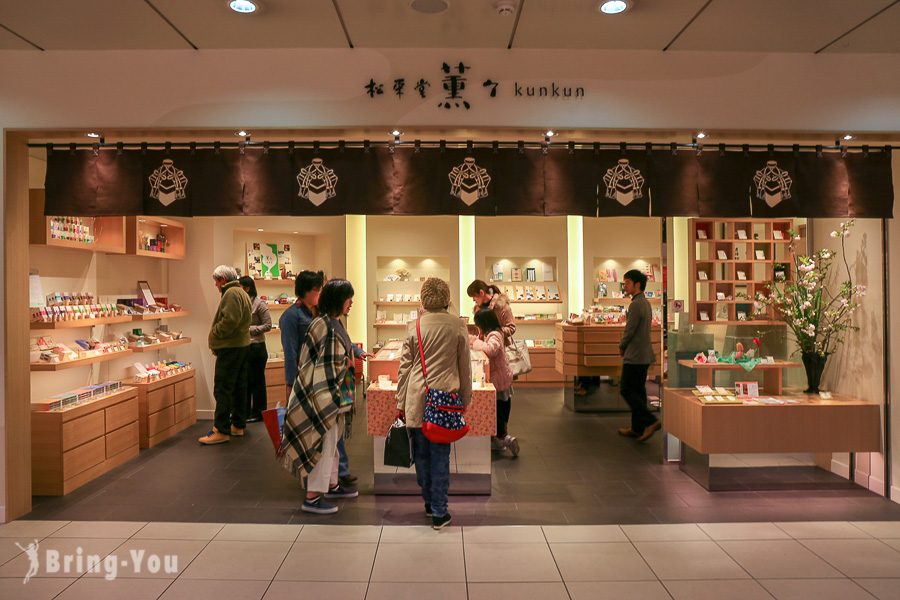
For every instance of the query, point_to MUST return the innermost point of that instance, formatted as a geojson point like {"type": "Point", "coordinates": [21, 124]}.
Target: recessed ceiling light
{"type": "Point", "coordinates": [242, 133]}
{"type": "Point", "coordinates": [295, 232]}
{"type": "Point", "coordinates": [614, 7]}
{"type": "Point", "coordinates": [396, 133]}
{"type": "Point", "coordinates": [259, 229]}
{"type": "Point", "coordinates": [848, 137]}
{"type": "Point", "coordinates": [429, 7]}
{"type": "Point", "coordinates": [549, 133]}
{"type": "Point", "coordinates": [93, 135]}
{"type": "Point", "coordinates": [701, 135]}
{"type": "Point", "coordinates": [244, 7]}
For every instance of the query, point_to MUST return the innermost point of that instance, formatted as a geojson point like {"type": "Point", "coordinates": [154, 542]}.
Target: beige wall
{"type": "Point", "coordinates": [621, 237]}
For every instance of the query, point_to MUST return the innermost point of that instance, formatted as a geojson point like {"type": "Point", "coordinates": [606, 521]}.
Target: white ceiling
{"type": "Point", "coordinates": [701, 25]}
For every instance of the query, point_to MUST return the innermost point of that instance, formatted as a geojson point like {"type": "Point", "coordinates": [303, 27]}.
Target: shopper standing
{"type": "Point", "coordinates": [637, 353]}
{"type": "Point", "coordinates": [489, 296]}
{"type": "Point", "coordinates": [320, 403]}
{"type": "Point", "coordinates": [229, 340]}
{"type": "Point", "coordinates": [445, 345]}
{"type": "Point", "coordinates": [490, 342]}
{"type": "Point", "coordinates": [258, 356]}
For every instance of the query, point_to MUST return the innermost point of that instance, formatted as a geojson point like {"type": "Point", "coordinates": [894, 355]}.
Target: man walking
{"type": "Point", "coordinates": [229, 340]}
{"type": "Point", "coordinates": [637, 354]}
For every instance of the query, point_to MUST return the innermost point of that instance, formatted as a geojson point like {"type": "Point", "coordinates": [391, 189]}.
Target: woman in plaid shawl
{"type": "Point", "coordinates": [321, 398]}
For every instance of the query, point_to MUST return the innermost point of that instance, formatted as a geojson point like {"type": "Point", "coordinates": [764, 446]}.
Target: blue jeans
{"type": "Point", "coordinates": [432, 471]}
{"type": "Point", "coordinates": [344, 462]}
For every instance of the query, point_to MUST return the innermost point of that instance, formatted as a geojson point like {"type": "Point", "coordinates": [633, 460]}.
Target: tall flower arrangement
{"type": "Point", "coordinates": [817, 314]}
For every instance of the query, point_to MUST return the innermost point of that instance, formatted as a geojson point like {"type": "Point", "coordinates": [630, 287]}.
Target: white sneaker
{"type": "Point", "coordinates": [512, 444]}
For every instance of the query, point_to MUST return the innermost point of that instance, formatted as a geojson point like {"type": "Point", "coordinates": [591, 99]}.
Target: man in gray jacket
{"type": "Point", "coordinates": [637, 353]}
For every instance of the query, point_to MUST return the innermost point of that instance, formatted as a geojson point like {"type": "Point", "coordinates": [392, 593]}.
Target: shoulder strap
{"type": "Point", "coordinates": [421, 353]}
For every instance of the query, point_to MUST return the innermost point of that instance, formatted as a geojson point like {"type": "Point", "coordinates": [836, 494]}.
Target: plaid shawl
{"type": "Point", "coordinates": [315, 397]}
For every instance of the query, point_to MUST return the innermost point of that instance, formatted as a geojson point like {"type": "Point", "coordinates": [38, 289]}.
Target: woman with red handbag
{"type": "Point", "coordinates": [433, 389]}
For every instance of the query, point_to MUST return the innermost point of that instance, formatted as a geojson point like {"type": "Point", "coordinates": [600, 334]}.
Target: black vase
{"type": "Point", "coordinates": [814, 363]}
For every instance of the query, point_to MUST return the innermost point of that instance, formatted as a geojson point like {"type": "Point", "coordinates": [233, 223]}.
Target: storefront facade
{"type": "Point", "coordinates": [648, 106]}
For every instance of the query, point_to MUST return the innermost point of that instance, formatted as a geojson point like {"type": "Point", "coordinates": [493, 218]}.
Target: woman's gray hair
{"type": "Point", "coordinates": [225, 272]}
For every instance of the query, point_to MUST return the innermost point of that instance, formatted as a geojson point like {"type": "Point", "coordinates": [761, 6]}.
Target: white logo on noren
{"type": "Point", "coordinates": [35, 564]}
{"type": "Point", "coordinates": [168, 183]}
{"type": "Point", "coordinates": [624, 183]}
{"type": "Point", "coordinates": [469, 182]}
{"type": "Point", "coordinates": [317, 182]}
{"type": "Point", "coordinates": [773, 184]}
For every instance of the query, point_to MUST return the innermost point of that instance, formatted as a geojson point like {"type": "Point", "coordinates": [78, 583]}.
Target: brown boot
{"type": "Point", "coordinates": [649, 431]}
{"type": "Point", "coordinates": [627, 432]}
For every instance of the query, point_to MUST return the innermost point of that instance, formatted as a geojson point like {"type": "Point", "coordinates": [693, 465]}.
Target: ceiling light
{"type": "Point", "coordinates": [93, 135]}
{"type": "Point", "coordinates": [549, 133]}
{"type": "Point", "coordinates": [429, 7]}
{"type": "Point", "coordinates": [295, 232]}
{"type": "Point", "coordinates": [701, 135]}
{"type": "Point", "coordinates": [847, 137]}
{"type": "Point", "coordinates": [244, 7]}
{"type": "Point", "coordinates": [614, 7]}
{"type": "Point", "coordinates": [242, 133]}
{"type": "Point", "coordinates": [396, 133]}
{"type": "Point", "coordinates": [259, 229]}
{"type": "Point", "coordinates": [505, 8]}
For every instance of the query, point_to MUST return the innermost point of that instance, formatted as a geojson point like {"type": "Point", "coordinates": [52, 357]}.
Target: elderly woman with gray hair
{"type": "Point", "coordinates": [229, 340]}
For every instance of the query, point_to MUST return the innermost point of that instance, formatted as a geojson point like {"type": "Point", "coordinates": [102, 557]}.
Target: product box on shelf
{"type": "Point", "coordinates": [159, 370]}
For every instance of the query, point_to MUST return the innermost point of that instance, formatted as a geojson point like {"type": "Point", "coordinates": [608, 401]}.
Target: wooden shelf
{"type": "Point", "coordinates": [620, 300]}
{"type": "Point", "coordinates": [81, 362]}
{"type": "Point", "coordinates": [535, 301]}
{"type": "Point", "coordinates": [173, 230]}
{"type": "Point", "coordinates": [154, 347]}
{"type": "Point", "coordinates": [108, 232]}
{"type": "Point", "coordinates": [259, 282]}
{"type": "Point", "coordinates": [386, 303]}
{"type": "Point", "coordinates": [157, 316]}
{"type": "Point", "coordinates": [380, 325]}
{"type": "Point", "coordinates": [78, 323]}
{"type": "Point", "coordinates": [537, 321]}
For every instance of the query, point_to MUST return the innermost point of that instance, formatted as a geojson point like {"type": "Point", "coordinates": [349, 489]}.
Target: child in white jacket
{"type": "Point", "coordinates": [491, 343]}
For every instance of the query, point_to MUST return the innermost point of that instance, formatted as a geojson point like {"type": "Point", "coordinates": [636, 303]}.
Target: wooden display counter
{"type": "Point", "coordinates": [593, 350]}
{"type": "Point", "coordinates": [166, 407]}
{"type": "Point", "coordinates": [772, 373]}
{"type": "Point", "coordinates": [276, 386]}
{"type": "Point", "coordinates": [805, 424]}
{"type": "Point", "coordinates": [74, 445]}
{"type": "Point", "coordinates": [543, 369]}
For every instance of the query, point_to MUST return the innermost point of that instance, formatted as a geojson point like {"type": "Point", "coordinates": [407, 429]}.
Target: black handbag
{"type": "Point", "coordinates": [398, 450]}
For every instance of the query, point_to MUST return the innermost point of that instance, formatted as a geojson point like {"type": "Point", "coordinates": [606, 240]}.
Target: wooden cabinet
{"type": "Point", "coordinates": [72, 446]}
{"type": "Point", "coordinates": [158, 231]}
{"type": "Point", "coordinates": [543, 371]}
{"type": "Point", "coordinates": [591, 350]}
{"type": "Point", "coordinates": [165, 407]}
{"type": "Point", "coordinates": [276, 387]}
{"type": "Point", "coordinates": [107, 233]}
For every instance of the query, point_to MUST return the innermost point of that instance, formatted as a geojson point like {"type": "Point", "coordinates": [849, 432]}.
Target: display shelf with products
{"type": "Point", "coordinates": [161, 315]}
{"type": "Point", "coordinates": [77, 323]}
{"type": "Point", "coordinates": [97, 234]}
{"type": "Point", "coordinates": [159, 345]}
{"type": "Point", "coordinates": [731, 262]}
{"type": "Point", "coordinates": [398, 281]}
{"type": "Point", "coordinates": [155, 237]}
{"type": "Point", "coordinates": [78, 362]}
{"type": "Point", "coordinates": [609, 274]}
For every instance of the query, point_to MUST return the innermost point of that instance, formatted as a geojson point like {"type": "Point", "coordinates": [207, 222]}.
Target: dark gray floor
{"type": "Point", "coordinates": [573, 469]}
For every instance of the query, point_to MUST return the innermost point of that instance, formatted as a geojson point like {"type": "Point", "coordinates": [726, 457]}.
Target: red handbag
{"type": "Point", "coordinates": [442, 419]}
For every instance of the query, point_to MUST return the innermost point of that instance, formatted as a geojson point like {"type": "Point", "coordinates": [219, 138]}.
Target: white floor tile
{"type": "Point", "coordinates": [324, 561]}
{"type": "Point", "coordinates": [65, 547]}
{"type": "Point", "coordinates": [249, 532]}
{"type": "Point", "coordinates": [517, 591]}
{"type": "Point", "coordinates": [416, 591]}
{"type": "Point", "coordinates": [524, 534]}
{"type": "Point", "coordinates": [30, 529]}
{"type": "Point", "coordinates": [510, 563]}
{"type": "Point", "coordinates": [664, 533]}
{"type": "Point", "coordinates": [408, 563]}
{"type": "Point", "coordinates": [420, 535]}
{"type": "Point", "coordinates": [727, 589]}
{"type": "Point", "coordinates": [825, 530]}
{"type": "Point", "coordinates": [559, 534]}
{"type": "Point", "coordinates": [316, 590]}
{"type": "Point", "coordinates": [778, 559]}
{"type": "Point", "coordinates": [168, 558]}
{"type": "Point", "coordinates": [743, 531]}
{"type": "Point", "coordinates": [880, 529]}
{"type": "Point", "coordinates": [818, 589]}
{"type": "Point", "coordinates": [101, 589]}
{"type": "Point", "coordinates": [178, 531]}
{"type": "Point", "coordinates": [98, 529]}
{"type": "Point", "coordinates": [858, 558]}
{"type": "Point", "coordinates": [238, 561]}
{"type": "Point", "coordinates": [689, 560]}
{"type": "Point", "coordinates": [883, 589]}
{"type": "Point", "coordinates": [9, 550]}
{"type": "Point", "coordinates": [200, 589]}
{"type": "Point", "coordinates": [600, 562]}
{"type": "Point", "coordinates": [12, 588]}
{"type": "Point", "coordinates": [617, 590]}
{"type": "Point", "coordinates": [363, 534]}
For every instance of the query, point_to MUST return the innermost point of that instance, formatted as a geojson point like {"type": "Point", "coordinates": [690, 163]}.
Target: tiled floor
{"type": "Point", "coordinates": [573, 469]}
{"type": "Point", "coordinates": [715, 561]}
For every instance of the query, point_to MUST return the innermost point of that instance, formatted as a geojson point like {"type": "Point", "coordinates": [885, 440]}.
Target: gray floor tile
{"type": "Point", "coordinates": [600, 562]}
{"type": "Point", "coordinates": [98, 529]}
{"type": "Point", "coordinates": [294, 590]}
{"type": "Point", "coordinates": [238, 561]}
{"type": "Point", "coordinates": [557, 534]}
{"type": "Point", "coordinates": [617, 590]}
{"type": "Point", "coordinates": [883, 589]}
{"type": "Point", "coordinates": [778, 559]}
{"type": "Point", "coordinates": [12, 547]}
{"type": "Point", "coordinates": [416, 591]}
{"type": "Point", "coordinates": [12, 588]}
{"type": "Point", "coordinates": [138, 559]}
{"type": "Point", "coordinates": [689, 560]}
{"type": "Point", "coordinates": [178, 531]}
{"type": "Point", "coordinates": [858, 558]}
{"type": "Point", "coordinates": [409, 534]}
{"type": "Point", "coordinates": [723, 589]}
{"type": "Point", "coordinates": [743, 531]}
{"type": "Point", "coordinates": [517, 591]}
{"type": "Point", "coordinates": [510, 563]}
{"type": "Point", "coordinates": [325, 561]}
{"type": "Point", "coordinates": [201, 589]}
{"type": "Point", "coordinates": [825, 530]}
{"type": "Point", "coordinates": [101, 589]}
{"type": "Point", "coordinates": [880, 529]}
{"type": "Point", "coordinates": [664, 533]}
{"type": "Point", "coordinates": [18, 566]}
{"type": "Point", "coordinates": [365, 534]}
{"type": "Point", "coordinates": [250, 532]}
{"type": "Point", "coordinates": [504, 535]}
{"type": "Point", "coordinates": [405, 563]}
{"type": "Point", "coordinates": [30, 529]}
{"type": "Point", "coordinates": [819, 589]}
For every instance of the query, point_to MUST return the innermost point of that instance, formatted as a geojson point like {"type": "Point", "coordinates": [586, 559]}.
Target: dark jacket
{"type": "Point", "coordinates": [636, 340]}
{"type": "Point", "coordinates": [293, 324]}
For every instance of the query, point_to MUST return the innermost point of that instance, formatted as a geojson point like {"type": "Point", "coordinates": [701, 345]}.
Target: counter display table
{"type": "Point", "coordinates": [470, 458]}
{"type": "Point", "coordinates": [593, 351]}
{"type": "Point", "coordinates": [715, 435]}
{"type": "Point", "coordinates": [772, 373]}
{"type": "Point", "coordinates": [276, 386]}
{"type": "Point", "coordinates": [166, 406]}
{"type": "Point", "coordinates": [74, 445]}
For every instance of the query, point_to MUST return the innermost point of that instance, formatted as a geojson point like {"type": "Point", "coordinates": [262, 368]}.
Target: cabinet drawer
{"type": "Point", "coordinates": [542, 359]}
{"type": "Point", "coordinates": [81, 430]}
{"type": "Point", "coordinates": [543, 375]}
{"type": "Point", "coordinates": [275, 376]}
{"type": "Point", "coordinates": [161, 398]}
{"type": "Point", "coordinates": [121, 414]}
{"type": "Point", "coordinates": [607, 349]}
{"type": "Point", "coordinates": [160, 421]}
{"type": "Point", "coordinates": [602, 361]}
{"type": "Point", "coordinates": [185, 410]}
{"type": "Point", "coordinates": [184, 389]}
{"type": "Point", "coordinates": [276, 394]}
{"type": "Point", "coordinates": [83, 457]}
{"type": "Point", "coordinates": [603, 337]}
{"type": "Point", "coordinates": [121, 439]}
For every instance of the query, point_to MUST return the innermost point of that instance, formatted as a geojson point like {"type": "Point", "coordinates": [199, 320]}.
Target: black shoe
{"type": "Point", "coordinates": [438, 523]}
{"type": "Point", "coordinates": [348, 481]}
{"type": "Point", "coordinates": [255, 419]}
{"type": "Point", "coordinates": [340, 491]}
{"type": "Point", "coordinates": [428, 512]}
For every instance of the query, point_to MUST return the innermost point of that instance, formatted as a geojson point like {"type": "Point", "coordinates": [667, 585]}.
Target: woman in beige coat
{"type": "Point", "coordinates": [445, 344]}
